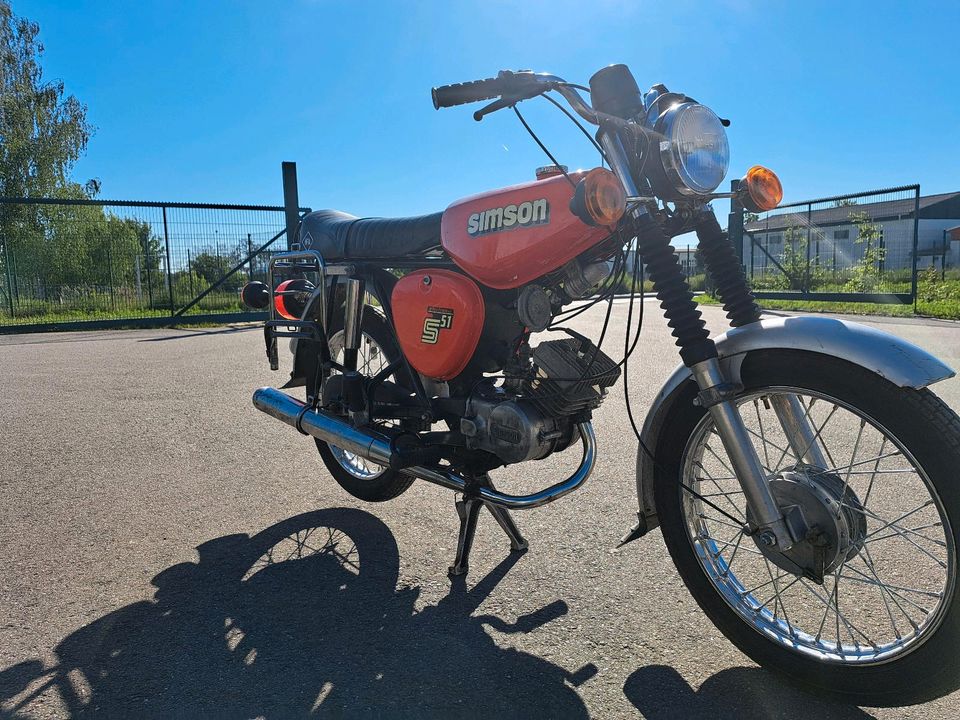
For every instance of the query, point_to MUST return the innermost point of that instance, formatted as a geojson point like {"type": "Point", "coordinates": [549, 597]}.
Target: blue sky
{"type": "Point", "coordinates": [201, 101]}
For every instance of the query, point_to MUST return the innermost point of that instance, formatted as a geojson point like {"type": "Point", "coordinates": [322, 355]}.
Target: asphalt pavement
{"type": "Point", "coordinates": [160, 541]}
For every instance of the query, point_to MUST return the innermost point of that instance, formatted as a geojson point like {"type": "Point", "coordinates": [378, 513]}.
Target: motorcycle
{"type": "Point", "coordinates": [802, 473]}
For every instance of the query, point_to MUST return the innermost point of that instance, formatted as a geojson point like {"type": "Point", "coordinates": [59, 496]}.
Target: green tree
{"type": "Point", "coordinates": [211, 267]}
{"type": "Point", "coordinates": [43, 131]}
{"type": "Point", "coordinates": [865, 274]}
{"type": "Point", "coordinates": [793, 260]}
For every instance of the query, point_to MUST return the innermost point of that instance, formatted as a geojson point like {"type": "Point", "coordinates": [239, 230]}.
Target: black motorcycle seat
{"type": "Point", "coordinates": [339, 236]}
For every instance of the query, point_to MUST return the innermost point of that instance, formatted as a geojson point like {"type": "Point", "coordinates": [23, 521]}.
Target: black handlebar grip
{"type": "Point", "coordinates": [468, 92]}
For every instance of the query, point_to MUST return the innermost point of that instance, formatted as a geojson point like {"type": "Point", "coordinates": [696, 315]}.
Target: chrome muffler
{"type": "Point", "coordinates": [323, 425]}
{"type": "Point", "coordinates": [377, 448]}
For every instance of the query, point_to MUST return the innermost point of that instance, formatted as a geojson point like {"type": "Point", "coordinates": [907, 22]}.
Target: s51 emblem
{"type": "Point", "coordinates": [437, 319]}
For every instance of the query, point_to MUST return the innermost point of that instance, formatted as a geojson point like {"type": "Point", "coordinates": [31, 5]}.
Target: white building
{"type": "Point", "coordinates": [832, 233]}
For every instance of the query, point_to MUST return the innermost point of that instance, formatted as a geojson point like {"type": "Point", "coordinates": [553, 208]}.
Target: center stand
{"type": "Point", "coordinates": [468, 509]}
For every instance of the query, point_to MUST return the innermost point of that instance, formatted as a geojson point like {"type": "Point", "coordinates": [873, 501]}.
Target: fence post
{"type": "Point", "coordinates": [291, 201]}
{"type": "Point", "coordinates": [943, 258]}
{"type": "Point", "coordinates": [190, 270]}
{"type": "Point", "coordinates": [137, 280]}
{"type": "Point", "coordinates": [113, 304]}
{"type": "Point", "coordinates": [166, 241]}
{"type": "Point", "coordinates": [149, 279]}
{"type": "Point", "coordinates": [6, 263]}
{"type": "Point", "coordinates": [806, 277]}
{"type": "Point", "coordinates": [249, 255]}
{"type": "Point", "coordinates": [916, 233]}
{"type": "Point", "coordinates": [735, 221]}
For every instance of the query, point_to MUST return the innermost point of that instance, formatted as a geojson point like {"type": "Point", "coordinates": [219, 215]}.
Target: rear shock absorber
{"type": "Point", "coordinates": [674, 294]}
{"type": "Point", "coordinates": [725, 270]}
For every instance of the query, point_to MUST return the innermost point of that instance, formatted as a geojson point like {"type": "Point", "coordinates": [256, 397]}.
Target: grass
{"type": "Point", "coordinates": [947, 309]}
{"type": "Point", "coordinates": [938, 296]}
{"type": "Point", "coordinates": [134, 318]}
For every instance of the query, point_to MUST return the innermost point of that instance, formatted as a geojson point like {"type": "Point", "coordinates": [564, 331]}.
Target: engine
{"type": "Point", "coordinates": [534, 412]}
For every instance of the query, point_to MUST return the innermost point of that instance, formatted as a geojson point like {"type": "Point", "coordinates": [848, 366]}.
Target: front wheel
{"type": "Point", "coordinates": [879, 622]}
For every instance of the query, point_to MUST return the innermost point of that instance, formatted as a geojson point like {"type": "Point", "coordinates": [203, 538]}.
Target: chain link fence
{"type": "Point", "coordinates": [862, 247]}
{"type": "Point", "coordinates": [100, 263]}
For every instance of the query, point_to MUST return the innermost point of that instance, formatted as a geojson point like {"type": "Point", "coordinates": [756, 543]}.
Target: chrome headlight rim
{"type": "Point", "coordinates": [673, 166]}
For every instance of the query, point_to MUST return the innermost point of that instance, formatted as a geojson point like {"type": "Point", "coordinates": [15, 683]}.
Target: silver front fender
{"type": "Point", "coordinates": [889, 356]}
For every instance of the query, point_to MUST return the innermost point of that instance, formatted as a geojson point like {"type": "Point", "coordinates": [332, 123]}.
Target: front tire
{"type": "Point", "coordinates": [884, 627]}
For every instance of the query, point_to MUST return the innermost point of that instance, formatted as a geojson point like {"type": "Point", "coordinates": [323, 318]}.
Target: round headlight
{"type": "Point", "coordinates": [693, 148]}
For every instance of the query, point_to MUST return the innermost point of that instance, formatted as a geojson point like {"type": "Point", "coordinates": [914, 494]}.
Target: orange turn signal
{"type": "Point", "coordinates": [599, 199]}
{"type": "Point", "coordinates": [761, 189]}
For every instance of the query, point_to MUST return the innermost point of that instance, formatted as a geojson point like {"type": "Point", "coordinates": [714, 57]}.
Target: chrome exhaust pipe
{"type": "Point", "coordinates": [323, 426]}
{"type": "Point", "coordinates": [377, 448]}
{"type": "Point", "coordinates": [447, 479]}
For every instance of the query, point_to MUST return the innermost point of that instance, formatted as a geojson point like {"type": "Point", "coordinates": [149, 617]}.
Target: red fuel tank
{"type": "Point", "coordinates": [506, 238]}
{"type": "Point", "coordinates": [439, 317]}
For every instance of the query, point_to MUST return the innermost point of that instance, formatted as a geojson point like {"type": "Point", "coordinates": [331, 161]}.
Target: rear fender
{"type": "Point", "coordinates": [889, 356]}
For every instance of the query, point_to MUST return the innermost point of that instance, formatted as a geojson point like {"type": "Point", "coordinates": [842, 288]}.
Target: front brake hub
{"type": "Point", "coordinates": [833, 514]}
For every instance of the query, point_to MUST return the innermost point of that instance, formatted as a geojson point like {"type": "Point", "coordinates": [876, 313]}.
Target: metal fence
{"type": "Point", "coordinates": [861, 247]}
{"type": "Point", "coordinates": [70, 263]}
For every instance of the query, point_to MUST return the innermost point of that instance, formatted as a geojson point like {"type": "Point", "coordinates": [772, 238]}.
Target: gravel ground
{"type": "Point", "coordinates": [147, 513]}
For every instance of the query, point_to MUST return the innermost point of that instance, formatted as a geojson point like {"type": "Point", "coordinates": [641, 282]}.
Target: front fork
{"type": "Point", "coordinates": [795, 421]}
{"type": "Point", "coordinates": [774, 528]}
{"type": "Point", "coordinates": [771, 525]}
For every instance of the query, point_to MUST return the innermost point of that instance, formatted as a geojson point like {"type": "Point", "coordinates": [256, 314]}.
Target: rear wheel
{"type": "Point", "coordinates": [882, 622]}
{"type": "Point", "coordinates": [362, 478]}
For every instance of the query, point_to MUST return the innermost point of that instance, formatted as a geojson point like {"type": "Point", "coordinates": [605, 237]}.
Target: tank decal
{"type": "Point", "coordinates": [509, 217]}
{"type": "Point", "coordinates": [437, 319]}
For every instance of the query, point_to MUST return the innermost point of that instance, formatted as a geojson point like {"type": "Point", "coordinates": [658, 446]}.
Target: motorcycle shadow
{"type": "Point", "coordinates": [660, 692]}
{"type": "Point", "coordinates": [304, 618]}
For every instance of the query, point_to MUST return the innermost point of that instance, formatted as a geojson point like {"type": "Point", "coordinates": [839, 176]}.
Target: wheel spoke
{"type": "Point", "coordinates": [894, 534]}
{"type": "Point", "coordinates": [732, 504]}
{"type": "Point", "coordinates": [902, 517]}
{"type": "Point", "coordinates": [863, 462]}
{"type": "Point", "coordinates": [853, 456]}
{"type": "Point", "coordinates": [904, 536]}
{"type": "Point", "coordinates": [718, 521]}
{"type": "Point", "coordinates": [849, 626]}
{"type": "Point", "coordinates": [718, 494]}
{"type": "Point", "coordinates": [736, 547]}
{"type": "Point", "coordinates": [772, 580]}
{"type": "Point", "coordinates": [763, 435]}
{"type": "Point", "coordinates": [743, 548]}
{"type": "Point", "coordinates": [900, 588]}
{"type": "Point", "coordinates": [873, 475]}
{"type": "Point", "coordinates": [816, 435]}
{"type": "Point", "coordinates": [868, 561]}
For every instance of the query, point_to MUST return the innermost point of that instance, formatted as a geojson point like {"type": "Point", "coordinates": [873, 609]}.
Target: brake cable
{"type": "Point", "coordinates": [544, 148]}
{"type": "Point", "coordinates": [576, 122]}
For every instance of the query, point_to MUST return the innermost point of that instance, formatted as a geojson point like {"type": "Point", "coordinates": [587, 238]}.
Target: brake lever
{"type": "Point", "coordinates": [525, 86]}
{"type": "Point", "coordinates": [504, 101]}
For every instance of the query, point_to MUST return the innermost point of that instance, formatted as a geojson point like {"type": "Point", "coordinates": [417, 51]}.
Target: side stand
{"type": "Point", "coordinates": [469, 511]}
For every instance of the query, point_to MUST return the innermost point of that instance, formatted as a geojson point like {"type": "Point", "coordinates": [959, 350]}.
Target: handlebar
{"type": "Point", "coordinates": [468, 92]}
{"type": "Point", "coordinates": [511, 87]}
